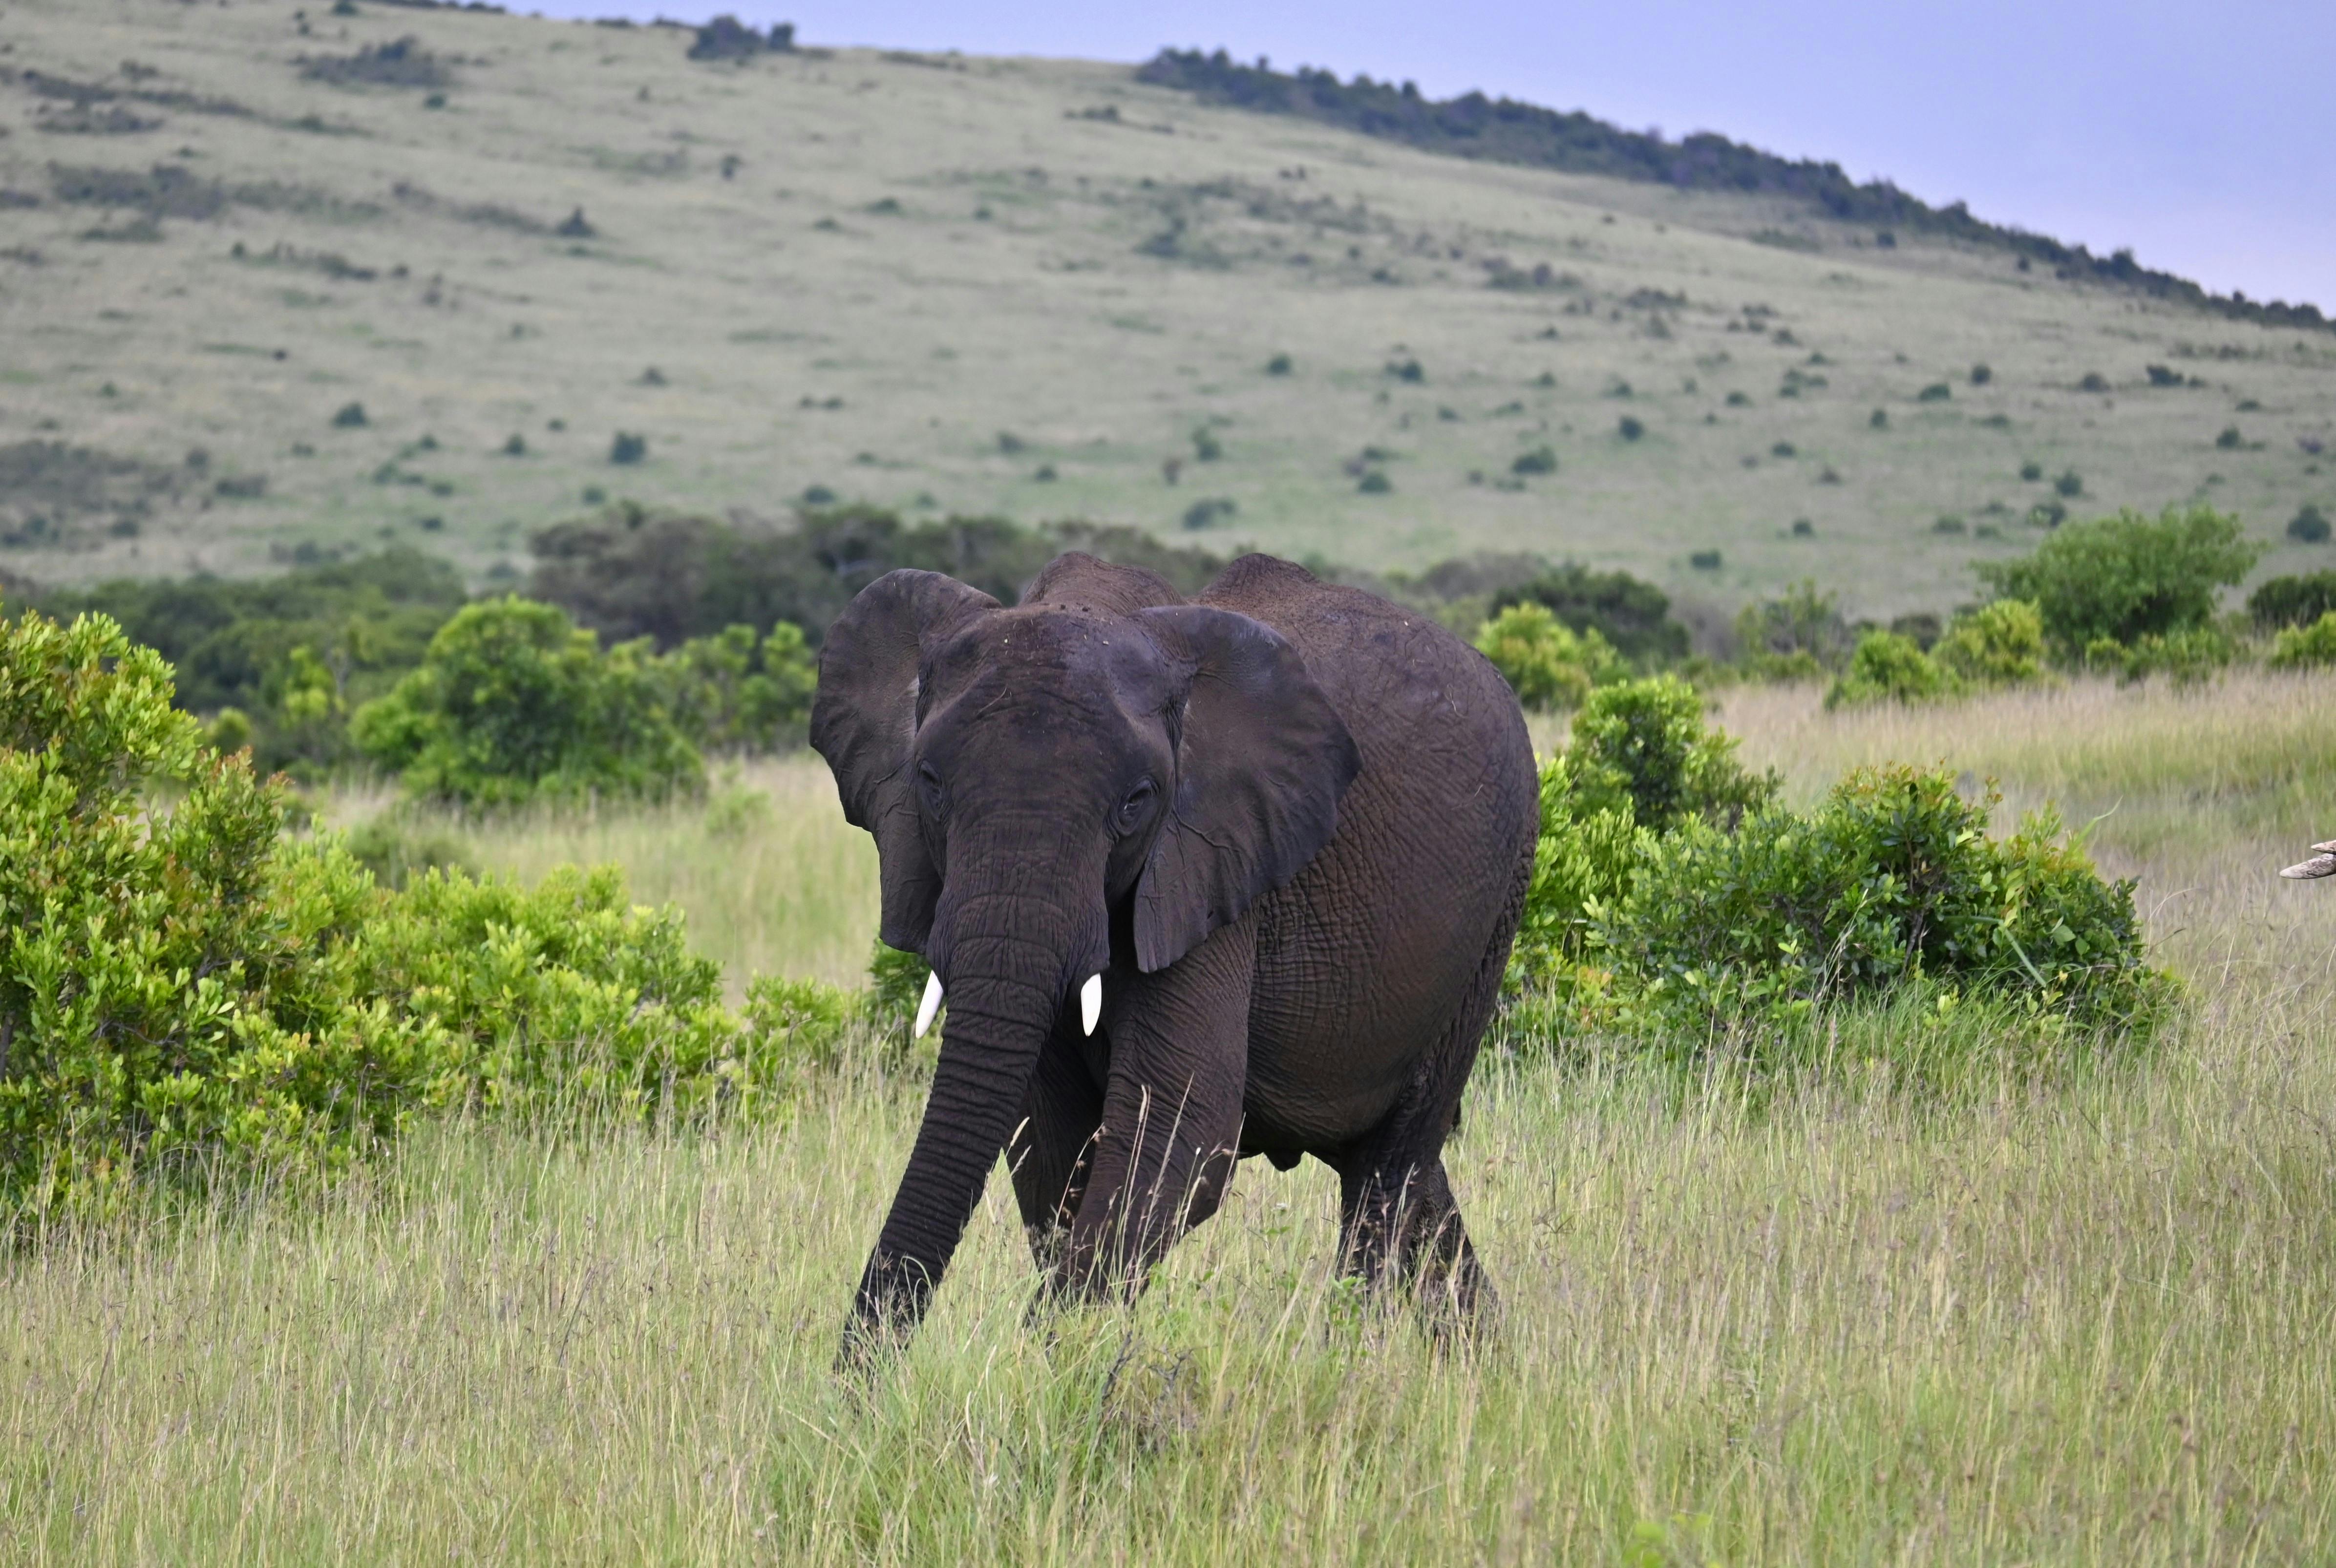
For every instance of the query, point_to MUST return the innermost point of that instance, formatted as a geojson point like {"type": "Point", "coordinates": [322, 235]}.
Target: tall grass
{"type": "Point", "coordinates": [2081, 1317]}
{"type": "Point", "coordinates": [772, 880]}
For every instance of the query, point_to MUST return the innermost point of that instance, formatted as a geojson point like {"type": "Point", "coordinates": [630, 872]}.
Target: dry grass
{"type": "Point", "coordinates": [2082, 1321]}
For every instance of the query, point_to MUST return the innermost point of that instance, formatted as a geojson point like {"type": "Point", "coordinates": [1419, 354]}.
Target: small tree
{"type": "Point", "coordinates": [514, 702]}
{"type": "Point", "coordinates": [2000, 644]}
{"type": "Point", "coordinates": [2127, 577]}
{"type": "Point", "coordinates": [1642, 744]}
{"type": "Point", "coordinates": [1889, 667]}
{"type": "Point", "coordinates": [1547, 664]}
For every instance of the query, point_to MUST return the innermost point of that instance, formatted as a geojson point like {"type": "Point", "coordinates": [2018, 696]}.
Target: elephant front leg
{"type": "Point", "coordinates": [1049, 1155]}
{"type": "Point", "coordinates": [1171, 1113]}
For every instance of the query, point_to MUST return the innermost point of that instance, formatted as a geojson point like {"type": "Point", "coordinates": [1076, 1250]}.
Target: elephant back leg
{"type": "Point", "coordinates": [1400, 1220]}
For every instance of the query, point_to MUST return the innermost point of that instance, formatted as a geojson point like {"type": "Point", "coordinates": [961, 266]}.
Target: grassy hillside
{"type": "Point", "coordinates": [1020, 286]}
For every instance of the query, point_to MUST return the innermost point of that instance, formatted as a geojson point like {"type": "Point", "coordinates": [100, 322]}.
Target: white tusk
{"type": "Point", "coordinates": [1090, 1004]}
{"type": "Point", "coordinates": [928, 1006]}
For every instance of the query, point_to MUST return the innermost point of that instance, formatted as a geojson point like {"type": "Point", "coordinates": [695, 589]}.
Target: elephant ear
{"type": "Point", "coordinates": [1261, 759]}
{"type": "Point", "coordinates": [865, 716]}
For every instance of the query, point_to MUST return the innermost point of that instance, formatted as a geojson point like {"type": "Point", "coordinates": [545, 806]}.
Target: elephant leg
{"type": "Point", "coordinates": [1047, 1154]}
{"type": "Point", "coordinates": [1172, 1112]}
{"type": "Point", "coordinates": [1400, 1220]}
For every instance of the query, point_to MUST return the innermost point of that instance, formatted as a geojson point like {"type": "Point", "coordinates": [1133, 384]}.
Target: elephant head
{"type": "Point", "coordinates": [1100, 777]}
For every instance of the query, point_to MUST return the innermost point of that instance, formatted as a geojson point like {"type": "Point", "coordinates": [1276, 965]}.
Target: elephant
{"type": "Point", "coordinates": [1199, 880]}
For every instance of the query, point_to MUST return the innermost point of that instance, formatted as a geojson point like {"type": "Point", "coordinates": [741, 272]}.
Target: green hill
{"type": "Point", "coordinates": [279, 282]}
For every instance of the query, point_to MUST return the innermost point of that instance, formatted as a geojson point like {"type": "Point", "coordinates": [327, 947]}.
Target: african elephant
{"type": "Point", "coordinates": [1199, 880]}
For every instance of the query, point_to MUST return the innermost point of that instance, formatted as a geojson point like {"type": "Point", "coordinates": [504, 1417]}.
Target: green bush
{"type": "Point", "coordinates": [514, 702]}
{"type": "Point", "coordinates": [2188, 656]}
{"type": "Point", "coordinates": [1632, 615]}
{"type": "Point", "coordinates": [184, 991]}
{"type": "Point", "coordinates": [1894, 878]}
{"type": "Point", "coordinates": [1998, 644]}
{"type": "Point", "coordinates": [2309, 647]}
{"type": "Point", "coordinates": [2127, 577]}
{"type": "Point", "coordinates": [1795, 635]}
{"type": "Point", "coordinates": [1546, 662]}
{"type": "Point", "coordinates": [1889, 667]}
{"type": "Point", "coordinates": [734, 691]}
{"type": "Point", "coordinates": [2308, 526]}
{"type": "Point", "coordinates": [1643, 745]}
{"type": "Point", "coordinates": [2292, 600]}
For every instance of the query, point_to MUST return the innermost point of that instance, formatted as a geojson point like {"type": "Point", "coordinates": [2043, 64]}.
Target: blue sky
{"type": "Point", "coordinates": [2203, 137]}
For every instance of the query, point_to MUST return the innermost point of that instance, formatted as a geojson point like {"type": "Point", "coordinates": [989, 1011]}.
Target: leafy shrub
{"type": "Point", "coordinates": [1279, 365]}
{"type": "Point", "coordinates": [1642, 745]}
{"type": "Point", "coordinates": [736, 691]}
{"type": "Point", "coordinates": [1541, 459]}
{"type": "Point", "coordinates": [1630, 427]}
{"type": "Point", "coordinates": [1210, 512]}
{"type": "Point", "coordinates": [2292, 600]}
{"type": "Point", "coordinates": [349, 415]}
{"type": "Point", "coordinates": [2031, 471]}
{"type": "Point", "coordinates": [1998, 644]}
{"type": "Point", "coordinates": [2311, 646]}
{"type": "Point", "coordinates": [1632, 615]}
{"type": "Point", "coordinates": [2069, 484]}
{"type": "Point", "coordinates": [2308, 526]}
{"type": "Point", "coordinates": [2230, 439]}
{"type": "Point", "coordinates": [1894, 879]}
{"type": "Point", "coordinates": [1795, 635]}
{"type": "Point", "coordinates": [1878, 420]}
{"type": "Point", "coordinates": [1546, 662]}
{"type": "Point", "coordinates": [2093, 381]}
{"type": "Point", "coordinates": [628, 448]}
{"type": "Point", "coordinates": [1705, 559]}
{"type": "Point", "coordinates": [1375, 482]}
{"type": "Point", "coordinates": [184, 991]}
{"type": "Point", "coordinates": [1888, 668]}
{"type": "Point", "coordinates": [1406, 370]}
{"type": "Point", "coordinates": [727, 38]}
{"type": "Point", "coordinates": [2186, 657]}
{"type": "Point", "coordinates": [1981, 374]}
{"type": "Point", "coordinates": [2127, 577]}
{"type": "Point", "coordinates": [402, 63]}
{"type": "Point", "coordinates": [1206, 447]}
{"type": "Point", "coordinates": [514, 702]}
{"type": "Point", "coordinates": [1937, 391]}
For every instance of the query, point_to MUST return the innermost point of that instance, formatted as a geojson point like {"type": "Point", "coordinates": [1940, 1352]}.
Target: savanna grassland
{"type": "Point", "coordinates": [2070, 1314]}
{"type": "Point", "coordinates": [952, 284]}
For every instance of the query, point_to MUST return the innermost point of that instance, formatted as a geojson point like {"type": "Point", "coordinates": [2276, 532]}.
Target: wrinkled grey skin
{"type": "Point", "coordinates": [1289, 824]}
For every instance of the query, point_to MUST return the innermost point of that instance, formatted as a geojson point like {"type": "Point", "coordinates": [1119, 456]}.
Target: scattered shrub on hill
{"type": "Point", "coordinates": [2308, 526]}
{"type": "Point", "coordinates": [1630, 427]}
{"type": "Point", "coordinates": [2308, 647]}
{"type": "Point", "coordinates": [1631, 615]}
{"type": "Point", "coordinates": [1547, 664]}
{"type": "Point", "coordinates": [1541, 459]}
{"type": "Point", "coordinates": [1279, 365]}
{"type": "Point", "coordinates": [404, 63]}
{"type": "Point", "coordinates": [1937, 391]}
{"type": "Point", "coordinates": [628, 448]}
{"type": "Point", "coordinates": [515, 703]}
{"type": "Point", "coordinates": [727, 38]}
{"type": "Point", "coordinates": [349, 415]}
{"type": "Point", "coordinates": [1981, 374]}
{"type": "Point", "coordinates": [185, 992]}
{"type": "Point", "coordinates": [2069, 485]}
{"type": "Point", "coordinates": [1888, 668]}
{"type": "Point", "coordinates": [2292, 600]}
{"type": "Point", "coordinates": [2127, 577]}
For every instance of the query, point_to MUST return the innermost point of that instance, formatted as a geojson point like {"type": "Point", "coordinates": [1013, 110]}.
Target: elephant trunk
{"type": "Point", "coordinates": [1010, 960]}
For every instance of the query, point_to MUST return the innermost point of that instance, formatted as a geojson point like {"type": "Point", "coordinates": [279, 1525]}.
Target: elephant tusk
{"type": "Point", "coordinates": [1090, 1004]}
{"type": "Point", "coordinates": [928, 1006]}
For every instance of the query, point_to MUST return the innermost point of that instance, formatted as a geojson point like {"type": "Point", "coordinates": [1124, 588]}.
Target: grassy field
{"type": "Point", "coordinates": [952, 284]}
{"type": "Point", "coordinates": [2077, 1319]}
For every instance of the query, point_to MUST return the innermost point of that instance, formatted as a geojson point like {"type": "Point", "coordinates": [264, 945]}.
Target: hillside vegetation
{"type": "Point", "coordinates": [282, 283]}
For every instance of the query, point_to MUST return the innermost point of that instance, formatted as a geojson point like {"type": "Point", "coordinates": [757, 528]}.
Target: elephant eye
{"type": "Point", "coordinates": [1136, 806]}
{"type": "Point", "coordinates": [928, 785]}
